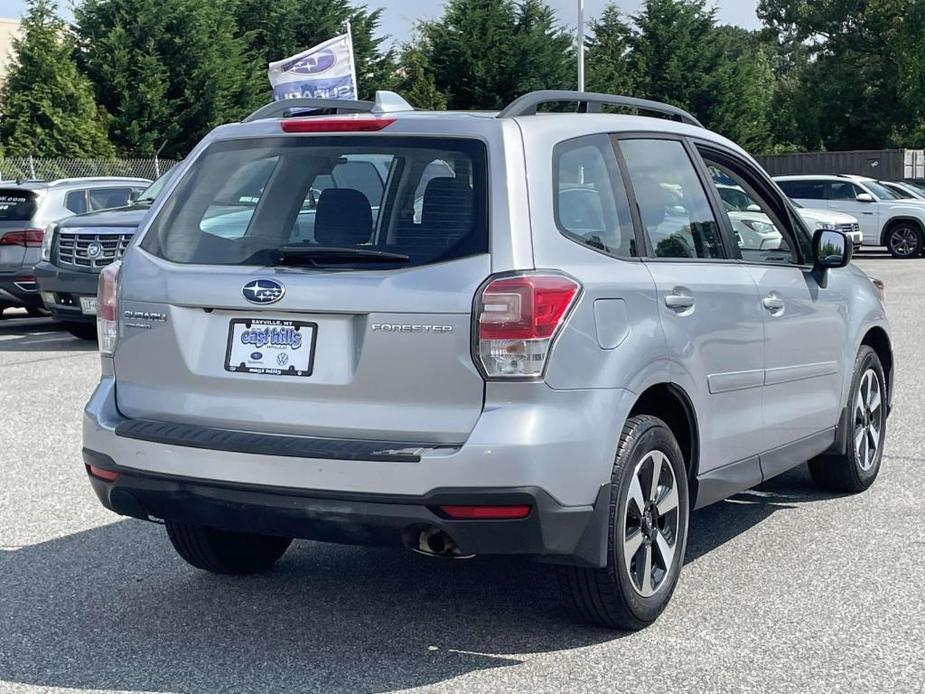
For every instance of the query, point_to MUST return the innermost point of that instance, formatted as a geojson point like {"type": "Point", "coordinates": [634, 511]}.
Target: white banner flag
{"type": "Point", "coordinates": [326, 71]}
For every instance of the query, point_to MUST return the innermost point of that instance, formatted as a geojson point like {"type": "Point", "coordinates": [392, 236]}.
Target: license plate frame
{"type": "Point", "coordinates": [270, 347]}
{"type": "Point", "coordinates": [89, 305]}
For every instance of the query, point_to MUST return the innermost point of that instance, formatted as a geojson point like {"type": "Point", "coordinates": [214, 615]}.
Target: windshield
{"type": "Point", "coordinates": [880, 191]}
{"type": "Point", "coordinates": [16, 205]}
{"type": "Point", "coordinates": [152, 191]}
{"type": "Point", "coordinates": [256, 201]}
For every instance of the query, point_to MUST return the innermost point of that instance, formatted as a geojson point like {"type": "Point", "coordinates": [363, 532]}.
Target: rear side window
{"type": "Point", "coordinates": [16, 205]}
{"type": "Point", "coordinates": [76, 201]}
{"type": "Point", "coordinates": [591, 205]}
{"type": "Point", "coordinates": [307, 197]}
{"type": "Point", "coordinates": [673, 205]}
{"type": "Point", "coordinates": [803, 190]}
{"type": "Point", "coordinates": [844, 191]}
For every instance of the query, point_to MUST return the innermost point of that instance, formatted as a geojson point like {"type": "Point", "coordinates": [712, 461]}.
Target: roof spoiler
{"type": "Point", "coordinates": [591, 102]}
{"type": "Point", "coordinates": [386, 102]}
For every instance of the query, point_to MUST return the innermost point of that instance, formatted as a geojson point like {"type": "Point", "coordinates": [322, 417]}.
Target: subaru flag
{"type": "Point", "coordinates": [323, 72]}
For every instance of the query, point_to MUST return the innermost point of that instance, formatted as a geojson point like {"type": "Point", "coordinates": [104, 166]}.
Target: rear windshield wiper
{"type": "Point", "coordinates": [322, 255]}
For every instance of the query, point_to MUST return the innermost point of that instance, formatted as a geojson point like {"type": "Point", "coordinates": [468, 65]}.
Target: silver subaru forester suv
{"type": "Point", "coordinates": [472, 333]}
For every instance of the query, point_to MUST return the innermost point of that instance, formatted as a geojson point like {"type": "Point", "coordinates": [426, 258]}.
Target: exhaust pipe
{"type": "Point", "coordinates": [433, 542]}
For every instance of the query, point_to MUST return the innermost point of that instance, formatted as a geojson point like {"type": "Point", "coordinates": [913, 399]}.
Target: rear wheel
{"type": "Point", "coordinates": [85, 331]}
{"type": "Point", "coordinates": [904, 240]}
{"type": "Point", "coordinates": [647, 532]}
{"type": "Point", "coordinates": [857, 468]}
{"type": "Point", "coordinates": [225, 552]}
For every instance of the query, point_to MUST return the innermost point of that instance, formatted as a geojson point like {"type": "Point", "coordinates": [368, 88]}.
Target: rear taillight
{"type": "Point", "coordinates": [107, 309]}
{"type": "Point", "coordinates": [29, 238]}
{"type": "Point", "coordinates": [350, 124]}
{"type": "Point", "coordinates": [517, 319]}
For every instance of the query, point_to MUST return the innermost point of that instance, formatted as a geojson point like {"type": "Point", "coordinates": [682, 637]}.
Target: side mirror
{"type": "Point", "coordinates": [753, 208]}
{"type": "Point", "coordinates": [865, 197]}
{"type": "Point", "coordinates": [831, 249]}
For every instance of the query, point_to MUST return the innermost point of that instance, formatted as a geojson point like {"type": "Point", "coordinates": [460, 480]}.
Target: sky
{"type": "Point", "coordinates": [399, 16]}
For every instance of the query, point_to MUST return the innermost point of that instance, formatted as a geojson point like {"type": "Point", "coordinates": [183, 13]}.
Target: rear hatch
{"type": "Point", "coordinates": [17, 207]}
{"type": "Point", "coordinates": [323, 287]}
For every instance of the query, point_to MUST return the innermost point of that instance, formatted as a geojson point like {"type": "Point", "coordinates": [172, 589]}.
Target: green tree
{"type": "Point", "coordinates": [165, 70]}
{"type": "Point", "coordinates": [607, 58]}
{"type": "Point", "coordinates": [415, 81]}
{"type": "Point", "coordinates": [485, 53]}
{"type": "Point", "coordinates": [47, 104]}
{"type": "Point", "coordinates": [859, 73]}
{"type": "Point", "coordinates": [277, 29]}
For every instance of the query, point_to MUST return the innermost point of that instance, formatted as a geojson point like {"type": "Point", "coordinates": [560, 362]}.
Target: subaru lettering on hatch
{"type": "Point", "coordinates": [263, 291]}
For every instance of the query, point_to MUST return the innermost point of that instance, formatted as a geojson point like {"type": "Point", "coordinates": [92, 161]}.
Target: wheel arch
{"type": "Point", "coordinates": [877, 339]}
{"type": "Point", "coordinates": [893, 221]}
{"type": "Point", "coordinates": [673, 406]}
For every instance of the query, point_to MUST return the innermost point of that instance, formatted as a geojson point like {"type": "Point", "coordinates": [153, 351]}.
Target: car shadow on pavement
{"type": "Point", "coordinates": [114, 608]}
{"type": "Point", "coordinates": [39, 335]}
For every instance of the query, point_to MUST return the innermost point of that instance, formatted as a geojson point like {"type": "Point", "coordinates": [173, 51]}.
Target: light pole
{"type": "Point", "coordinates": [581, 45]}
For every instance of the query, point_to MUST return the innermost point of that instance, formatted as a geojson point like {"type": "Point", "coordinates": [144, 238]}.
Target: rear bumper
{"type": "Point", "coordinates": [550, 530]}
{"type": "Point", "coordinates": [62, 290]}
{"type": "Point", "coordinates": [555, 456]}
{"type": "Point", "coordinates": [16, 289]}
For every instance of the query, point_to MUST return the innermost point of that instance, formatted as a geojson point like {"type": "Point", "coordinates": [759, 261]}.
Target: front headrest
{"type": "Point", "coordinates": [344, 217]}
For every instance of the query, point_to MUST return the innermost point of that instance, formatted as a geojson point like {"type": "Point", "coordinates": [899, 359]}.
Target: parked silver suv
{"type": "Point", "coordinates": [511, 333]}
{"type": "Point", "coordinates": [26, 209]}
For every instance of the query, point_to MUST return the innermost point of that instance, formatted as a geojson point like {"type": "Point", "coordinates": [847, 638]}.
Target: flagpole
{"type": "Point", "coordinates": [353, 62]}
{"type": "Point", "coordinates": [581, 45]}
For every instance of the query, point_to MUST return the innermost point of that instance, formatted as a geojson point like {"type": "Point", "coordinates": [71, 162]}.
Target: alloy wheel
{"type": "Point", "coordinates": [650, 524]}
{"type": "Point", "coordinates": [904, 241]}
{"type": "Point", "coordinates": [868, 420]}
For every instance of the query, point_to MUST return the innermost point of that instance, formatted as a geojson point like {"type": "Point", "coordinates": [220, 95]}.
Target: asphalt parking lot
{"type": "Point", "coordinates": [784, 590]}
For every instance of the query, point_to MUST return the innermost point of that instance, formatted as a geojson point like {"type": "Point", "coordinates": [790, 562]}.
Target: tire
{"type": "Point", "coordinates": [611, 596]}
{"type": "Point", "coordinates": [224, 552]}
{"type": "Point", "coordinates": [904, 240]}
{"type": "Point", "coordinates": [85, 331]}
{"type": "Point", "coordinates": [857, 468]}
{"type": "Point", "coordinates": [36, 312]}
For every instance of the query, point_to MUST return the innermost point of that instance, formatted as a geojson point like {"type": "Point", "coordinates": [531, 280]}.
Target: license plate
{"type": "Point", "coordinates": [271, 347]}
{"type": "Point", "coordinates": [88, 305]}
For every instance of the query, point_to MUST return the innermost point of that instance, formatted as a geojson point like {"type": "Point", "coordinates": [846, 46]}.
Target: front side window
{"type": "Point", "coordinates": [317, 200]}
{"type": "Point", "coordinates": [673, 205]}
{"type": "Point", "coordinates": [591, 205]}
{"type": "Point", "coordinates": [108, 198]}
{"type": "Point", "coordinates": [843, 191]}
{"type": "Point", "coordinates": [758, 234]}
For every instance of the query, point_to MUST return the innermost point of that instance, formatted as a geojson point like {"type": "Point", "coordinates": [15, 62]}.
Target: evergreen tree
{"type": "Point", "coordinates": [485, 53]}
{"type": "Point", "coordinates": [165, 70]}
{"type": "Point", "coordinates": [607, 58]}
{"type": "Point", "coordinates": [277, 29]}
{"type": "Point", "coordinates": [47, 104]}
{"type": "Point", "coordinates": [415, 82]}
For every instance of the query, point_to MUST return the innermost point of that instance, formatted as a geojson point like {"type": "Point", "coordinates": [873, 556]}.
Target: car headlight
{"type": "Point", "coordinates": [48, 241]}
{"type": "Point", "coordinates": [761, 227]}
{"type": "Point", "coordinates": [821, 225]}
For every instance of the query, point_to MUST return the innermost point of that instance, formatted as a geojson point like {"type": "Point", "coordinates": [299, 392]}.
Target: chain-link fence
{"type": "Point", "coordinates": [29, 168]}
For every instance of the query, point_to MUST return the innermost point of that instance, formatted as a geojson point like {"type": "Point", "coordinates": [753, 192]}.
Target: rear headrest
{"type": "Point", "coordinates": [344, 217]}
{"type": "Point", "coordinates": [447, 201]}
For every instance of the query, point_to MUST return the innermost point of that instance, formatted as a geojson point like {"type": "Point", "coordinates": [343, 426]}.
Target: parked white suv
{"type": "Point", "coordinates": [886, 220]}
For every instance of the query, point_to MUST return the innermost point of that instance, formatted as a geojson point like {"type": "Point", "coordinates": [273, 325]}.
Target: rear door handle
{"type": "Point", "coordinates": [773, 303]}
{"type": "Point", "coordinates": [679, 301]}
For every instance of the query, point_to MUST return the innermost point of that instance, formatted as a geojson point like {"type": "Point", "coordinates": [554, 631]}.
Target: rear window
{"type": "Point", "coordinates": [16, 205]}
{"type": "Point", "coordinates": [423, 199]}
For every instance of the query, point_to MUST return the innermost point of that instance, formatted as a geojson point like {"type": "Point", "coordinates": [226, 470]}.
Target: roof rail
{"type": "Point", "coordinates": [591, 102]}
{"type": "Point", "coordinates": [386, 102]}
{"type": "Point", "coordinates": [285, 107]}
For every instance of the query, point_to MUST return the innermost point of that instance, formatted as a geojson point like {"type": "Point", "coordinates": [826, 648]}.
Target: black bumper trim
{"type": "Point", "coordinates": [552, 532]}
{"type": "Point", "coordinates": [192, 436]}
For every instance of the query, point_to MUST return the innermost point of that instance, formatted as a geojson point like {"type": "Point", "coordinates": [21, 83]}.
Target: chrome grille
{"type": "Point", "coordinates": [848, 228]}
{"type": "Point", "coordinates": [91, 249]}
